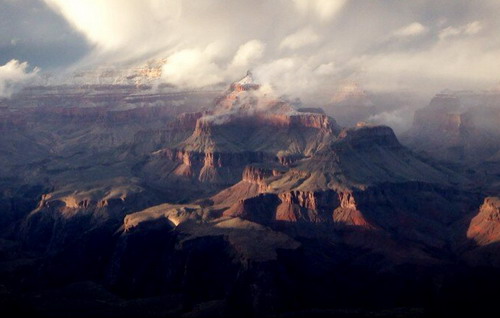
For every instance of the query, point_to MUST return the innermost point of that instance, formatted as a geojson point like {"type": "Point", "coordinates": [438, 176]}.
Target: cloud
{"type": "Point", "coordinates": [323, 9]}
{"type": "Point", "coordinates": [192, 67]}
{"type": "Point", "coordinates": [467, 29]}
{"type": "Point", "coordinates": [114, 24]}
{"type": "Point", "coordinates": [306, 47]}
{"type": "Point", "coordinates": [300, 75]}
{"type": "Point", "coordinates": [398, 119]}
{"type": "Point", "coordinates": [456, 65]}
{"type": "Point", "coordinates": [300, 39]}
{"type": "Point", "coordinates": [13, 76]}
{"type": "Point", "coordinates": [326, 69]}
{"type": "Point", "coordinates": [412, 29]}
{"type": "Point", "coordinates": [473, 28]}
{"type": "Point", "coordinates": [248, 53]}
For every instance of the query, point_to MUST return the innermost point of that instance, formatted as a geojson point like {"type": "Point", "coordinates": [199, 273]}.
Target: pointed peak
{"type": "Point", "coordinates": [248, 79]}
{"type": "Point", "coordinates": [247, 83]}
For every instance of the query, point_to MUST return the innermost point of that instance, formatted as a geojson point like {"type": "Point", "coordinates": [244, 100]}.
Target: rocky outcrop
{"type": "Point", "coordinates": [481, 242]}
{"type": "Point", "coordinates": [484, 228]}
{"type": "Point", "coordinates": [328, 207]}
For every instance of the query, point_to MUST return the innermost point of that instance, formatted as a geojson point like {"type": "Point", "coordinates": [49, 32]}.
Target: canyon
{"type": "Point", "coordinates": [128, 200]}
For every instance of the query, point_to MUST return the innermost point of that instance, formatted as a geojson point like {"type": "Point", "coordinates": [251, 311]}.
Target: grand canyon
{"type": "Point", "coordinates": [125, 194]}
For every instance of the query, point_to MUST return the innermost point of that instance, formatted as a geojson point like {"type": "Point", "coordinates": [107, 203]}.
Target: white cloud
{"type": "Point", "coordinates": [305, 46]}
{"type": "Point", "coordinates": [13, 75]}
{"type": "Point", "coordinates": [323, 9]}
{"type": "Point", "coordinates": [397, 119]}
{"type": "Point", "coordinates": [192, 67]}
{"type": "Point", "coordinates": [302, 76]}
{"type": "Point", "coordinates": [467, 29]}
{"type": "Point", "coordinates": [248, 53]}
{"type": "Point", "coordinates": [326, 69]}
{"type": "Point", "coordinates": [300, 39]}
{"type": "Point", "coordinates": [113, 24]}
{"type": "Point", "coordinates": [412, 29]}
{"type": "Point", "coordinates": [457, 65]}
{"type": "Point", "coordinates": [449, 32]}
{"type": "Point", "coordinates": [473, 28]}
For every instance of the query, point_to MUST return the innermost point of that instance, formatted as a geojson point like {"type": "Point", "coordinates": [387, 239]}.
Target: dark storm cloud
{"type": "Point", "coordinates": [32, 32]}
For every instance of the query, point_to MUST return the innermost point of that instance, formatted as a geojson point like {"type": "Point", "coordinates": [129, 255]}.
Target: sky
{"type": "Point", "coordinates": [298, 46]}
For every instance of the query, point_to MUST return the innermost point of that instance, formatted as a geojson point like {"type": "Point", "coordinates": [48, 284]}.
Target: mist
{"type": "Point", "coordinates": [13, 76]}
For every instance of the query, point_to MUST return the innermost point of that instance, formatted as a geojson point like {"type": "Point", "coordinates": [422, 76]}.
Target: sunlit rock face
{"type": "Point", "coordinates": [483, 234]}
{"type": "Point", "coordinates": [484, 228]}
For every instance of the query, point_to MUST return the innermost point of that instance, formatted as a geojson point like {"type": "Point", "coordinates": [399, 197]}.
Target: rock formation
{"type": "Point", "coordinates": [242, 204]}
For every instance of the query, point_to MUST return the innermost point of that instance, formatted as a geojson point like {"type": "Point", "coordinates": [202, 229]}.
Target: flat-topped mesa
{"type": "Point", "coordinates": [300, 120]}
{"type": "Point", "coordinates": [210, 126]}
{"type": "Point", "coordinates": [443, 111]}
{"type": "Point", "coordinates": [445, 102]}
{"type": "Point", "coordinates": [444, 115]}
{"type": "Point", "coordinates": [457, 127]}
{"type": "Point", "coordinates": [368, 136]}
{"type": "Point", "coordinates": [297, 120]}
{"type": "Point", "coordinates": [436, 120]}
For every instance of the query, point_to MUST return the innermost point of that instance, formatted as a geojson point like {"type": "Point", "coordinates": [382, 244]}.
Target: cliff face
{"type": "Point", "coordinates": [293, 206]}
{"type": "Point", "coordinates": [484, 228]}
{"type": "Point", "coordinates": [213, 167]}
{"type": "Point", "coordinates": [482, 238]}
